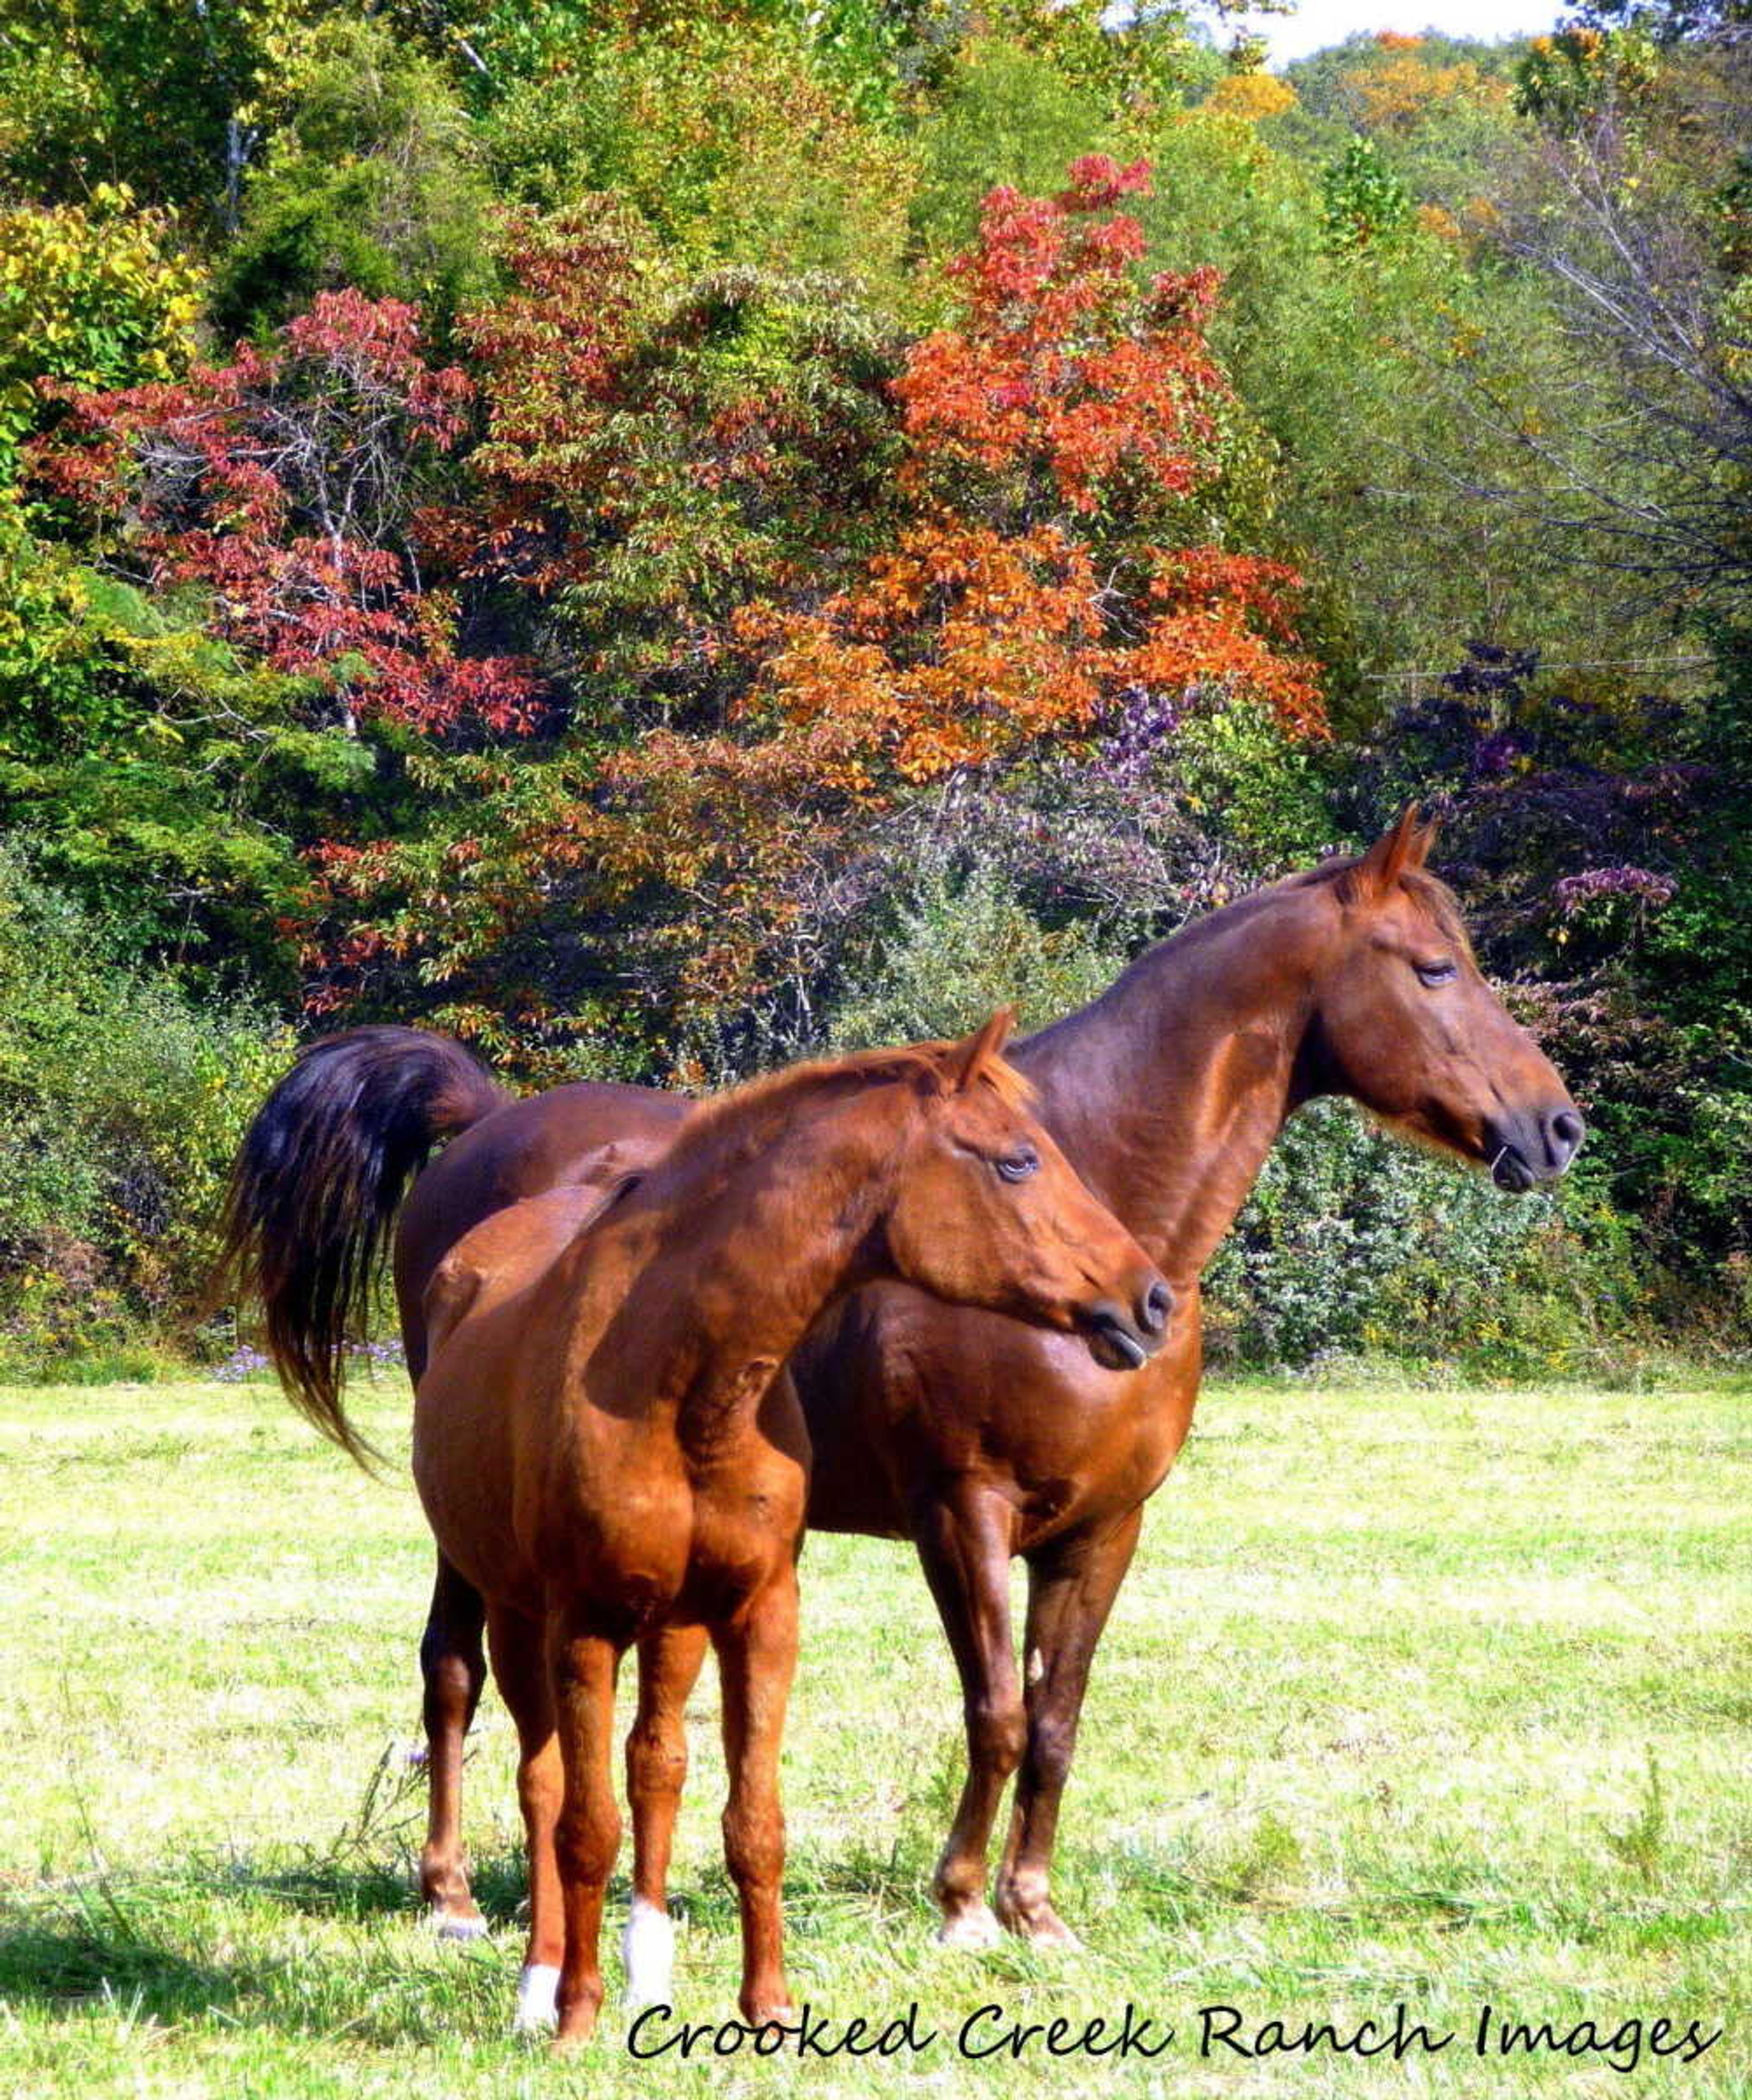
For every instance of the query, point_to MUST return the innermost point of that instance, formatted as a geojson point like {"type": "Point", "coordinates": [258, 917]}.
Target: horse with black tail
{"type": "Point", "coordinates": [315, 1190]}
{"type": "Point", "coordinates": [976, 1438]}
{"type": "Point", "coordinates": [317, 1187]}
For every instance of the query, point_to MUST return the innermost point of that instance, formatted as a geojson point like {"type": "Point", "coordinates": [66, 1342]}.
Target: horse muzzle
{"type": "Point", "coordinates": [1125, 1341]}
{"type": "Point", "coordinates": [1523, 1150]}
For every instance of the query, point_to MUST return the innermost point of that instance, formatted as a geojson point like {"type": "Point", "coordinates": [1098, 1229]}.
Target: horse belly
{"type": "Point", "coordinates": [464, 1469]}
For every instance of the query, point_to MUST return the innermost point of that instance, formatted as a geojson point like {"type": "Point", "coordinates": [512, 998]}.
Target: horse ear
{"type": "Point", "coordinates": [1424, 843]}
{"type": "Point", "coordinates": [1380, 868]}
{"type": "Point", "coordinates": [967, 1060]}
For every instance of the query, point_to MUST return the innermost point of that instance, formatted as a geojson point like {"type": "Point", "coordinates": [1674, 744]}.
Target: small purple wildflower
{"type": "Point", "coordinates": [240, 1365]}
{"type": "Point", "coordinates": [1146, 721]}
{"type": "Point", "coordinates": [1575, 892]}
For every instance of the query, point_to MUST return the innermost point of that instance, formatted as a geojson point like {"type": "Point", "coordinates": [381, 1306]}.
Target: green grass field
{"type": "Point", "coordinates": [1429, 1698]}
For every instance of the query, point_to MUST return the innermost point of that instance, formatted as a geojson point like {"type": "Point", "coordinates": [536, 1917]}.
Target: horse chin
{"type": "Point", "coordinates": [1115, 1350]}
{"type": "Point", "coordinates": [1506, 1164]}
{"type": "Point", "coordinates": [1512, 1174]}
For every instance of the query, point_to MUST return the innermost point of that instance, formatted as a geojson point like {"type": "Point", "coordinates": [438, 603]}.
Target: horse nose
{"type": "Point", "coordinates": [1154, 1306]}
{"type": "Point", "coordinates": [1564, 1133]}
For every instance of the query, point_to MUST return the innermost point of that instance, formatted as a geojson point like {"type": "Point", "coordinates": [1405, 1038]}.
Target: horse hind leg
{"type": "Point", "coordinates": [1071, 1591]}
{"type": "Point", "coordinates": [669, 1667]}
{"type": "Point", "coordinates": [582, 1664]}
{"type": "Point", "coordinates": [454, 1668]}
{"type": "Point", "coordinates": [519, 1664]}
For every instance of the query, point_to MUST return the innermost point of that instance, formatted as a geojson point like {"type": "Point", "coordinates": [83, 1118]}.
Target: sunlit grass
{"type": "Point", "coordinates": [1429, 1698]}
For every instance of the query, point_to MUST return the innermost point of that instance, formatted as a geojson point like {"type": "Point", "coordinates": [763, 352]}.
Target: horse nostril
{"type": "Point", "coordinates": [1155, 1307]}
{"type": "Point", "coordinates": [1567, 1129]}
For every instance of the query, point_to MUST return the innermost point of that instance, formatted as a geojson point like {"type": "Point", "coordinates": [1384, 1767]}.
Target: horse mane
{"type": "Point", "coordinates": [746, 1116]}
{"type": "Point", "coordinates": [1427, 890]}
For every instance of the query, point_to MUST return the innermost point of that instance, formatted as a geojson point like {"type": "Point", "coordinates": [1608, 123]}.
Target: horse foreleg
{"type": "Point", "coordinates": [757, 1656]}
{"type": "Point", "coordinates": [454, 1668]}
{"type": "Point", "coordinates": [1071, 1588]}
{"type": "Point", "coordinates": [965, 1546]}
{"type": "Point", "coordinates": [582, 1663]}
{"type": "Point", "coordinates": [669, 1666]}
{"type": "Point", "coordinates": [519, 1663]}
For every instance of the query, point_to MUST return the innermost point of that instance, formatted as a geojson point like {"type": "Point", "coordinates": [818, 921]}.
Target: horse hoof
{"type": "Point", "coordinates": [1049, 1933]}
{"type": "Point", "coordinates": [970, 1931]}
{"type": "Point", "coordinates": [647, 1951]}
{"type": "Point", "coordinates": [537, 1999]}
{"type": "Point", "coordinates": [574, 2030]}
{"type": "Point", "coordinates": [458, 1925]}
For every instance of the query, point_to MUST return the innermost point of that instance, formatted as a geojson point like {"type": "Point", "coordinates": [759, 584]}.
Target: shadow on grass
{"type": "Point", "coordinates": [329, 1888]}
{"type": "Point", "coordinates": [200, 1946]}
{"type": "Point", "coordinates": [84, 1954]}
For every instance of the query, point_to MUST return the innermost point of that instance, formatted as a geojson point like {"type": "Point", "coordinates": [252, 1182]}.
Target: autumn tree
{"type": "Point", "coordinates": [282, 484]}
{"type": "Point", "coordinates": [1046, 561]}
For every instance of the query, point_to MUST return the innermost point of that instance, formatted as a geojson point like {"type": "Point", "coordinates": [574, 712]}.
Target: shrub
{"type": "Point", "coordinates": [1352, 1243]}
{"type": "Point", "coordinates": [1003, 115]}
{"type": "Point", "coordinates": [724, 137]}
{"type": "Point", "coordinates": [121, 1105]}
{"type": "Point", "coordinates": [949, 951]}
{"type": "Point", "coordinates": [372, 183]}
{"type": "Point", "coordinates": [94, 295]}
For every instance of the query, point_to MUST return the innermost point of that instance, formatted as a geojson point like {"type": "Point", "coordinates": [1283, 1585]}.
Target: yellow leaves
{"type": "Point", "coordinates": [1250, 96]}
{"type": "Point", "coordinates": [95, 294]}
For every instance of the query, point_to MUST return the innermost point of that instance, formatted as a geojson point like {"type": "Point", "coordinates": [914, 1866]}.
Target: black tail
{"type": "Point", "coordinates": [315, 1188]}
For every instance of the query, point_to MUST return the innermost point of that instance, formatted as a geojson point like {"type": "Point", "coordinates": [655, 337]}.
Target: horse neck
{"type": "Point", "coordinates": [753, 1245]}
{"type": "Point", "coordinates": [1167, 1093]}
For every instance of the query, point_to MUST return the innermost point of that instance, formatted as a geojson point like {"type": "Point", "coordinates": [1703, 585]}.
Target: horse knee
{"type": "Point", "coordinates": [997, 1735]}
{"type": "Point", "coordinates": [586, 1841]}
{"type": "Point", "coordinates": [539, 1790]}
{"type": "Point", "coordinates": [1051, 1741]}
{"type": "Point", "coordinates": [656, 1764]}
{"type": "Point", "coordinates": [754, 1846]}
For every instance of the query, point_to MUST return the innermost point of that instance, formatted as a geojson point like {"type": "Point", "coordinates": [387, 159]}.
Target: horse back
{"type": "Point", "coordinates": [575, 1136]}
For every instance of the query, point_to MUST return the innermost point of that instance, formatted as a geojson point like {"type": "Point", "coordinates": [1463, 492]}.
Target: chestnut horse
{"type": "Point", "coordinates": [976, 1438]}
{"type": "Point", "coordinates": [610, 1451]}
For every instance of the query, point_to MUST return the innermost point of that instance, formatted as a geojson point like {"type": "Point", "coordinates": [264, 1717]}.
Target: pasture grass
{"type": "Point", "coordinates": [1419, 1697]}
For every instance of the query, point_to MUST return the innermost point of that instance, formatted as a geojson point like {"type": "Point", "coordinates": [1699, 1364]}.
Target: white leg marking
{"type": "Point", "coordinates": [647, 1947]}
{"type": "Point", "coordinates": [974, 1928]}
{"type": "Point", "coordinates": [537, 1998]}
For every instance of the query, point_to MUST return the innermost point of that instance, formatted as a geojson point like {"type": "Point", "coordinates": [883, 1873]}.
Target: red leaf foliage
{"type": "Point", "coordinates": [282, 483]}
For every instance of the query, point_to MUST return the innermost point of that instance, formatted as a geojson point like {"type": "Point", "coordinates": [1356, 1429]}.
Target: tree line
{"type": "Point", "coordinates": [656, 539]}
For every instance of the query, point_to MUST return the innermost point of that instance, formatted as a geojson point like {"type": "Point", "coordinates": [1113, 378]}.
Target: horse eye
{"type": "Point", "coordinates": [1018, 1166]}
{"type": "Point", "coordinates": [1435, 973]}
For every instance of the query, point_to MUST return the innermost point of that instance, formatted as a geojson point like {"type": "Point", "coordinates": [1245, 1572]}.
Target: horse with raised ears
{"type": "Point", "coordinates": [976, 1438]}
{"type": "Point", "coordinates": [611, 1454]}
